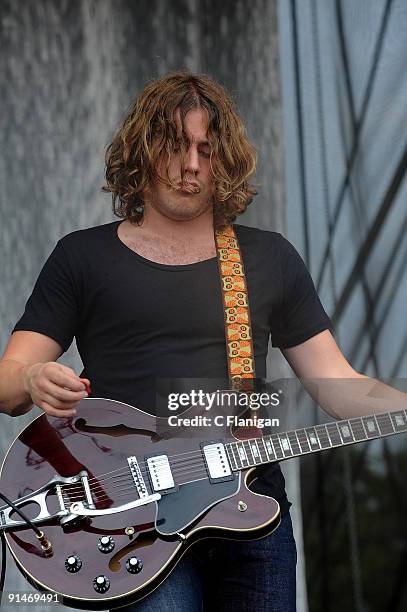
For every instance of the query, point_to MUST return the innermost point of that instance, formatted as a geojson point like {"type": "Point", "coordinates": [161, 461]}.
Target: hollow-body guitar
{"type": "Point", "coordinates": [120, 496]}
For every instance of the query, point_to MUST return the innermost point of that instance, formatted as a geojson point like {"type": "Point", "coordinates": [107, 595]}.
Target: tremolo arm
{"type": "Point", "coordinates": [67, 512]}
{"type": "Point", "coordinates": [78, 508]}
{"type": "Point", "coordinates": [54, 486]}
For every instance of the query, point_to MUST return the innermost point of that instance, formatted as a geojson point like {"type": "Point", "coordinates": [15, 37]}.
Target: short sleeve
{"type": "Point", "coordinates": [52, 309]}
{"type": "Point", "coordinates": [300, 315]}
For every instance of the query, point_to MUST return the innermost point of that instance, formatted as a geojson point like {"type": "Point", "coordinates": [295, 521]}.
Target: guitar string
{"type": "Point", "coordinates": [103, 498]}
{"type": "Point", "coordinates": [193, 466]}
{"type": "Point", "coordinates": [117, 480]}
{"type": "Point", "coordinates": [189, 470]}
{"type": "Point", "coordinates": [145, 471]}
{"type": "Point", "coordinates": [125, 470]}
{"type": "Point", "coordinates": [124, 491]}
{"type": "Point", "coordinates": [274, 438]}
{"type": "Point", "coordinates": [118, 488]}
{"type": "Point", "coordinates": [116, 492]}
{"type": "Point", "coordinates": [122, 495]}
{"type": "Point", "coordinates": [128, 478]}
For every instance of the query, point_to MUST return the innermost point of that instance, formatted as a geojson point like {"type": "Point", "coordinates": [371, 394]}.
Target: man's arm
{"type": "Point", "coordinates": [344, 393]}
{"type": "Point", "coordinates": [29, 374]}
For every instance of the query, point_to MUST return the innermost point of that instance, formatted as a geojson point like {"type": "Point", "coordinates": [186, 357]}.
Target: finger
{"type": "Point", "coordinates": [48, 409]}
{"type": "Point", "coordinates": [63, 394]}
{"type": "Point", "coordinates": [86, 382]}
{"type": "Point", "coordinates": [59, 405]}
{"type": "Point", "coordinates": [62, 379]}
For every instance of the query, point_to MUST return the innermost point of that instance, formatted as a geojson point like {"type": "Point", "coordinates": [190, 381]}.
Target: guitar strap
{"type": "Point", "coordinates": [238, 329]}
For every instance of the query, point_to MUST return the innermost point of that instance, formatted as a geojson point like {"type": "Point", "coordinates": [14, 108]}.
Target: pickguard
{"type": "Point", "coordinates": [178, 509]}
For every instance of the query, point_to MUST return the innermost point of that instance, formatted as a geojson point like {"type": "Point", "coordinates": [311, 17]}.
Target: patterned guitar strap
{"type": "Point", "coordinates": [238, 329]}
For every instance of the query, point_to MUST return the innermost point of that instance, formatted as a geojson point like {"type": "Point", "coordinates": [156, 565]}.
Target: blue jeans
{"type": "Point", "coordinates": [225, 575]}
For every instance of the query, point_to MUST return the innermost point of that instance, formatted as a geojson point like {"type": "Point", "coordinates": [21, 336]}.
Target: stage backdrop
{"type": "Point", "coordinates": [344, 93]}
{"type": "Point", "coordinates": [69, 71]}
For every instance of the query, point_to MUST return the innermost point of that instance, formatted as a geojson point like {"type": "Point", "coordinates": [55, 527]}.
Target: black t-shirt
{"type": "Point", "coordinates": [135, 320]}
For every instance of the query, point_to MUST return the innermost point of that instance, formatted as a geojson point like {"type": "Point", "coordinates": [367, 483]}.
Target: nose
{"type": "Point", "coordinates": [192, 160]}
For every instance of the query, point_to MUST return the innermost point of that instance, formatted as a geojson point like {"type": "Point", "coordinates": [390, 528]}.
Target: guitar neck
{"type": "Point", "coordinates": [279, 446]}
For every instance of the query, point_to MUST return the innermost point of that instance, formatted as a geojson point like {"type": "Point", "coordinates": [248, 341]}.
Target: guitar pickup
{"type": "Point", "coordinates": [160, 473]}
{"type": "Point", "coordinates": [217, 462]}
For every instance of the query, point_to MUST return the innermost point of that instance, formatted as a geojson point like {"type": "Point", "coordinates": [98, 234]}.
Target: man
{"type": "Point", "coordinates": [142, 296]}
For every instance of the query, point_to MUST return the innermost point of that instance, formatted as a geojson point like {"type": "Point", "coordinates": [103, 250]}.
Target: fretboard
{"type": "Point", "coordinates": [278, 446]}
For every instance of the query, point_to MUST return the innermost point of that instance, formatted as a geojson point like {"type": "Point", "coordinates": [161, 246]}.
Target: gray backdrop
{"type": "Point", "coordinates": [70, 69]}
{"type": "Point", "coordinates": [344, 100]}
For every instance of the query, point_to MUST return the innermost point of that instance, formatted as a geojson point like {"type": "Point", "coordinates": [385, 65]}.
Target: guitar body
{"type": "Point", "coordinates": [98, 442]}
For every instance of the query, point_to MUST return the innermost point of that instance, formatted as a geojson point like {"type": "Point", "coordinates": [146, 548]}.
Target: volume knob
{"type": "Point", "coordinates": [134, 565]}
{"type": "Point", "coordinates": [101, 584]}
{"type": "Point", "coordinates": [73, 563]}
{"type": "Point", "coordinates": [106, 544]}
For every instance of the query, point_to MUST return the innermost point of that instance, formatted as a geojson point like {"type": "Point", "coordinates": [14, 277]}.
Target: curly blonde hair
{"type": "Point", "coordinates": [149, 131]}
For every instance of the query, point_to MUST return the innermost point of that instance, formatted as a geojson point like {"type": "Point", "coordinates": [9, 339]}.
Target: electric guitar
{"type": "Point", "coordinates": [120, 496]}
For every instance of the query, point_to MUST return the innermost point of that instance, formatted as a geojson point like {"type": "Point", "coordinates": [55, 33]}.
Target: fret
{"type": "Point", "coordinates": [285, 445]}
{"type": "Point", "coordinates": [357, 430]}
{"type": "Point", "coordinates": [249, 454]}
{"type": "Point", "coordinates": [295, 447]}
{"type": "Point", "coordinates": [273, 447]}
{"type": "Point", "coordinates": [229, 452]}
{"type": "Point", "coordinates": [242, 454]}
{"type": "Point", "coordinates": [399, 420]}
{"type": "Point", "coordinates": [269, 448]}
{"type": "Point", "coordinates": [261, 449]}
{"type": "Point", "coordinates": [300, 441]}
{"type": "Point", "coordinates": [231, 444]}
{"type": "Point", "coordinates": [265, 448]}
{"type": "Point", "coordinates": [334, 434]}
{"type": "Point", "coordinates": [370, 425]}
{"type": "Point", "coordinates": [322, 434]}
{"type": "Point", "coordinates": [255, 451]}
{"type": "Point", "coordinates": [385, 424]}
{"type": "Point", "coordinates": [346, 432]}
{"type": "Point", "coordinates": [364, 428]}
{"type": "Point", "coordinates": [377, 425]}
{"type": "Point", "coordinates": [235, 452]}
{"type": "Point", "coordinates": [303, 443]}
{"type": "Point", "coordinates": [312, 438]}
{"type": "Point", "coordinates": [277, 446]}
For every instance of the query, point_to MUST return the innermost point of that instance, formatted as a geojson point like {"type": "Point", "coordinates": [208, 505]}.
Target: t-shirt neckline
{"type": "Point", "coordinates": [156, 264]}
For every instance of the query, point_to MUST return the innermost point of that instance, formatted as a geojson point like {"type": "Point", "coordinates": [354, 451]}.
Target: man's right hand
{"type": "Point", "coordinates": [54, 388]}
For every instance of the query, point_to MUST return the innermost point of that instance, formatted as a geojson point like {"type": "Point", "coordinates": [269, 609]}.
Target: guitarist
{"type": "Point", "coordinates": [142, 298]}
